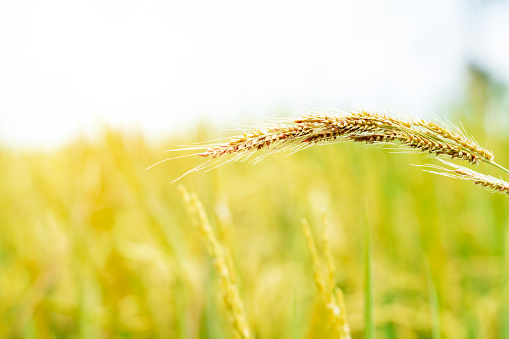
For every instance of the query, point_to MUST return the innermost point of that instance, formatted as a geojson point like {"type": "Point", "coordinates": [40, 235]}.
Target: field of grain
{"type": "Point", "coordinates": [94, 246]}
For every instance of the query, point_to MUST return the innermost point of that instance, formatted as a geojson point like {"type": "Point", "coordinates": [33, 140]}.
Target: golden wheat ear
{"type": "Point", "coordinates": [299, 133]}
{"type": "Point", "coordinates": [459, 172]}
{"type": "Point", "coordinates": [294, 134]}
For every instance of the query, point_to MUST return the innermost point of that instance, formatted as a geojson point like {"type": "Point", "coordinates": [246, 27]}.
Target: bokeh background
{"type": "Point", "coordinates": [93, 92]}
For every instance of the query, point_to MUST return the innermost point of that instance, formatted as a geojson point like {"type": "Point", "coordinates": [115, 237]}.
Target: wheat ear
{"type": "Point", "coordinates": [361, 127]}
{"type": "Point", "coordinates": [219, 254]}
{"type": "Point", "coordinates": [320, 128]}
{"type": "Point", "coordinates": [459, 172]}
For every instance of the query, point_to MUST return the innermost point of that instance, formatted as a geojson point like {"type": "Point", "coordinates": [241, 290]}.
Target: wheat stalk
{"type": "Point", "coordinates": [222, 264]}
{"type": "Point", "coordinates": [332, 297]}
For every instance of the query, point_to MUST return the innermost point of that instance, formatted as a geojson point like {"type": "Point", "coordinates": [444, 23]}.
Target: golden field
{"type": "Point", "coordinates": [94, 246]}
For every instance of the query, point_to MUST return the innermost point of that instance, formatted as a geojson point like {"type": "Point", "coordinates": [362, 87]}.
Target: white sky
{"type": "Point", "coordinates": [71, 66]}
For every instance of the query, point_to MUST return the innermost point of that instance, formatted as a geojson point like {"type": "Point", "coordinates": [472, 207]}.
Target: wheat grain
{"type": "Point", "coordinates": [459, 172]}
{"type": "Point", "coordinates": [372, 128]}
{"type": "Point", "coordinates": [363, 126]}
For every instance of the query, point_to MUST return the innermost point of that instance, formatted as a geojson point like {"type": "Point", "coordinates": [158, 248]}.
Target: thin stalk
{"type": "Point", "coordinates": [369, 328]}
{"type": "Point", "coordinates": [434, 304]}
{"type": "Point", "coordinates": [498, 166]}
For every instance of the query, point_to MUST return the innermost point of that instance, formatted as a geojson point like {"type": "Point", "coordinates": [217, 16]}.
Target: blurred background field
{"type": "Point", "coordinates": [94, 246]}
{"type": "Point", "coordinates": [93, 91]}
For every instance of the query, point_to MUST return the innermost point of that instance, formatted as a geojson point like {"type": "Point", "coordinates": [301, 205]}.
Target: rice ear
{"type": "Point", "coordinates": [294, 134]}
{"type": "Point", "coordinates": [459, 172]}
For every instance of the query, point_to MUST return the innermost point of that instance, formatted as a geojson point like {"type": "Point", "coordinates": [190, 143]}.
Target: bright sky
{"type": "Point", "coordinates": [67, 67]}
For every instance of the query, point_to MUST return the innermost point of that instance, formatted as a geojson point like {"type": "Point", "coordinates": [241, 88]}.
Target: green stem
{"type": "Point", "coordinates": [434, 303]}
{"type": "Point", "coordinates": [369, 327]}
{"type": "Point", "coordinates": [498, 166]}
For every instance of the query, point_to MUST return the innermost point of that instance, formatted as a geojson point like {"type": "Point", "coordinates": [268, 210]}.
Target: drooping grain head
{"type": "Point", "coordinates": [296, 134]}
{"type": "Point", "coordinates": [459, 172]}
